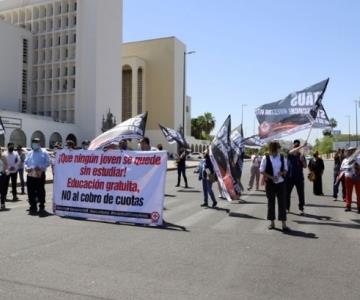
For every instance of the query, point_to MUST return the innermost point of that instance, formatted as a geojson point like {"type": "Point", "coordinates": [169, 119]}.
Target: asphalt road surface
{"type": "Point", "coordinates": [224, 253]}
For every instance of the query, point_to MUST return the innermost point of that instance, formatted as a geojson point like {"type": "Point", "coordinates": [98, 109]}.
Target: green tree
{"type": "Point", "coordinates": [325, 145]}
{"type": "Point", "coordinates": [202, 126]}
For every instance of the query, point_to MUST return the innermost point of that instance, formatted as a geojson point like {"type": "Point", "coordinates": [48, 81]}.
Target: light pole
{"type": "Point", "coordinates": [349, 117]}
{"type": "Point", "coordinates": [184, 90]}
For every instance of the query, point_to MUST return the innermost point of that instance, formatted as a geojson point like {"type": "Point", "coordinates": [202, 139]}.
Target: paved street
{"type": "Point", "coordinates": [225, 253]}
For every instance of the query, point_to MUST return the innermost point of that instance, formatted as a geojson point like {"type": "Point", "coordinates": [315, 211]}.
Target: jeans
{"type": "Point", "coordinates": [299, 184]}
{"type": "Point", "coordinates": [207, 189]}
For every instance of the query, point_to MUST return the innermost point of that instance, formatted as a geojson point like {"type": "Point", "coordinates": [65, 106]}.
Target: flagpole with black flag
{"type": "Point", "coordinates": [2, 127]}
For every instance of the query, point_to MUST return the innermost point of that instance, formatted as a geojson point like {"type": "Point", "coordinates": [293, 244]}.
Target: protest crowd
{"type": "Point", "coordinates": [278, 170]}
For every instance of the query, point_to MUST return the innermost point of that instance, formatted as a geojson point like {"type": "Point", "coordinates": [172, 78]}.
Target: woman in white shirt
{"type": "Point", "coordinates": [274, 168]}
{"type": "Point", "coordinates": [352, 178]}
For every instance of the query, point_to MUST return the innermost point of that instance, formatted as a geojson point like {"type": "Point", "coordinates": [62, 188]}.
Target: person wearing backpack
{"type": "Point", "coordinates": [274, 168]}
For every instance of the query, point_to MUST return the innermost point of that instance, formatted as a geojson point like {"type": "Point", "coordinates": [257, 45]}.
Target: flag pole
{"type": "Point", "coordinates": [309, 132]}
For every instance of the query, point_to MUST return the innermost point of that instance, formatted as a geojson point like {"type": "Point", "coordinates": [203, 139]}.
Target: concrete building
{"type": "Point", "coordinates": [153, 81]}
{"type": "Point", "coordinates": [73, 63]}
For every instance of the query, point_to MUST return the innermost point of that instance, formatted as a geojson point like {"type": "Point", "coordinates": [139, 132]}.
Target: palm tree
{"type": "Point", "coordinates": [209, 122]}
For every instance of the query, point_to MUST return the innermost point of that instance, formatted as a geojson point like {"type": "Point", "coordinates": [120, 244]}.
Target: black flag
{"type": "Point", "coordinates": [133, 128]}
{"type": "Point", "coordinates": [297, 111]}
{"type": "Point", "coordinates": [173, 136]}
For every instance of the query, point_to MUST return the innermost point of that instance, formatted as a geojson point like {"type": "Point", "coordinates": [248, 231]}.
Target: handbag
{"type": "Point", "coordinates": [311, 176]}
{"type": "Point", "coordinates": [212, 177]}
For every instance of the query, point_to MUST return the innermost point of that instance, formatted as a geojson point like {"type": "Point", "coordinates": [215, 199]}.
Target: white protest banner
{"type": "Point", "coordinates": [118, 186]}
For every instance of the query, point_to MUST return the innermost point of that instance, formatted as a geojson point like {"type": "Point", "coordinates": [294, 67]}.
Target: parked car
{"type": "Point", "coordinates": [194, 155]}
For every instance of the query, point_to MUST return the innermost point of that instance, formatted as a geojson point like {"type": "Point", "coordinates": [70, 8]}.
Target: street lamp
{"type": "Point", "coordinates": [349, 117]}
{"type": "Point", "coordinates": [184, 90]}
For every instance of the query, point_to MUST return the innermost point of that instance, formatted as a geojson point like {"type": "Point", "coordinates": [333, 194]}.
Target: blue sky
{"type": "Point", "coordinates": [254, 52]}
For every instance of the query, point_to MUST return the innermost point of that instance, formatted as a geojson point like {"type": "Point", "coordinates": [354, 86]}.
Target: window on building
{"type": "Point", "coordinates": [139, 90]}
{"type": "Point", "coordinates": [25, 51]}
{"type": "Point", "coordinates": [126, 93]}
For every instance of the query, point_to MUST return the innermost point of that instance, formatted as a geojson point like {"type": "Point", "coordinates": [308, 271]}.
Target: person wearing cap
{"type": "Point", "coordinates": [22, 156]}
{"type": "Point", "coordinates": [296, 163]}
{"type": "Point", "coordinates": [13, 161]}
{"type": "Point", "coordinates": [316, 165]}
{"type": "Point", "coordinates": [85, 144]}
{"type": "Point", "coordinates": [273, 167]}
{"type": "Point", "coordinates": [352, 178]}
{"type": "Point", "coordinates": [36, 163]}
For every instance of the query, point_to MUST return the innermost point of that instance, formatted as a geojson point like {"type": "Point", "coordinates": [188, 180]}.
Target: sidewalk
{"type": "Point", "coordinates": [171, 166]}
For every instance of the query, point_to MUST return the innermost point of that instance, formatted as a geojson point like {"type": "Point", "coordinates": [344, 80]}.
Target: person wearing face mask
{"type": "Point", "coordinates": [13, 161]}
{"type": "Point", "coordinates": [36, 163]}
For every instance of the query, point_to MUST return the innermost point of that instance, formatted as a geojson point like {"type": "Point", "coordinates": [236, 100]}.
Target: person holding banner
{"type": "Point", "coordinates": [36, 163]}
{"type": "Point", "coordinates": [316, 165]}
{"type": "Point", "coordinates": [296, 162]}
{"type": "Point", "coordinates": [207, 176]}
{"type": "Point", "coordinates": [181, 166]}
{"type": "Point", "coordinates": [274, 168]}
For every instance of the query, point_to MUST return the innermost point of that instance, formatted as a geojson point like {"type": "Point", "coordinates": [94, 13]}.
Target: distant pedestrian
{"type": "Point", "coordinates": [316, 165]}
{"type": "Point", "coordinates": [85, 144]}
{"type": "Point", "coordinates": [123, 145]}
{"type": "Point", "coordinates": [3, 179]}
{"type": "Point", "coordinates": [207, 176]}
{"type": "Point", "coordinates": [70, 144]}
{"type": "Point", "coordinates": [36, 163]}
{"type": "Point", "coordinates": [181, 166]}
{"type": "Point", "coordinates": [274, 168]}
{"type": "Point", "coordinates": [254, 171]}
{"type": "Point", "coordinates": [338, 159]}
{"type": "Point", "coordinates": [145, 144]}
{"type": "Point", "coordinates": [352, 178]}
{"type": "Point", "coordinates": [22, 156]}
{"type": "Point", "coordinates": [296, 162]}
{"type": "Point", "coordinates": [13, 161]}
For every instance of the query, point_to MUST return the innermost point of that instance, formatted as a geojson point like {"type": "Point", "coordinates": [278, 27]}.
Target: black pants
{"type": "Point", "coordinates": [299, 184]}
{"type": "Point", "coordinates": [181, 170]}
{"type": "Point", "coordinates": [276, 191]}
{"type": "Point", "coordinates": [13, 177]}
{"type": "Point", "coordinates": [3, 189]}
{"type": "Point", "coordinates": [36, 191]}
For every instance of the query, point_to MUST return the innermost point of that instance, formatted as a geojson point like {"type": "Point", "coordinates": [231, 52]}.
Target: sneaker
{"type": "Point", "coordinates": [15, 198]}
{"type": "Point", "coordinates": [271, 226]}
{"type": "Point", "coordinates": [214, 204]}
{"type": "Point", "coordinates": [177, 185]}
{"type": "Point", "coordinates": [204, 205]}
{"type": "Point", "coordinates": [347, 209]}
{"type": "Point", "coordinates": [2, 206]}
{"type": "Point", "coordinates": [249, 188]}
{"type": "Point", "coordinates": [302, 213]}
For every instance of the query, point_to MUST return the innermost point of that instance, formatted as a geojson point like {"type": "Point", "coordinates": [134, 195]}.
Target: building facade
{"type": "Point", "coordinates": [153, 81]}
{"type": "Point", "coordinates": [73, 60]}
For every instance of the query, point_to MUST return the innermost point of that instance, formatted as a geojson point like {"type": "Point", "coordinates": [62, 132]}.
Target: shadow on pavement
{"type": "Point", "coordinates": [220, 209]}
{"type": "Point", "coordinates": [5, 209]}
{"type": "Point", "coordinates": [253, 194]}
{"type": "Point", "coordinates": [170, 196]}
{"type": "Point", "coordinates": [323, 205]}
{"type": "Point", "coordinates": [245, 216]}
{"type": "Point", "coordinates": [45, 214]}
{"type": "Point", "coordinates": [356, 221]}
{"type": "Point", "coordinates": [343, 225]}
{"type": "Point", "coordinates": [317, 217]}
{"type": "Point", "coordinates": [189, 190]}
{"type": "Point", "coordinates": [298, 233]}
{"type": "Point", "coordinates": [247, 202]}
{"type": "Point", "coordinates": [13, 201]}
